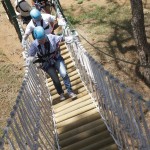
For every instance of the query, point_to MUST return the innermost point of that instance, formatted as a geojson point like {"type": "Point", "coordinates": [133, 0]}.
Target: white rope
{"type": "Point", "coordinates": [115, 99]}
{"type": "Point", "coordinates": [31, 123]}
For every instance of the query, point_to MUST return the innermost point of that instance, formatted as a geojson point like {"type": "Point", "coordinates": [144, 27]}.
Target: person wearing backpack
{"type": "Point", "coordinates": [23, 9]}
{"type": "Point", "coordinates": [47, 21]}
{"type": "Point", "coordinates": [46, 48]}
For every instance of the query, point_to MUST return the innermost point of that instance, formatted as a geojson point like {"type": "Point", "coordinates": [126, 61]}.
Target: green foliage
{"type": "Point", "coordinates": [107, 14]}
{"type": "Point", "coordinates": [105, 18]}
{"type": "Point", "coordinates": [1, 132]}
{"type": "Point", "coordinates": [101, 20]}
{"type": "Point", "coordinates": [73, 20]}
{"type": "Point", "coordinates": [70, 17]}
{"type": "Point", "coordinates": [2, 53]}
{"type": "Point", "coordinates": [80, 1]}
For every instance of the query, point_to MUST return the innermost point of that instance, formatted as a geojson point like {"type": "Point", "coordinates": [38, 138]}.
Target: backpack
{"type": "Point", "coordinates": [18, 5]}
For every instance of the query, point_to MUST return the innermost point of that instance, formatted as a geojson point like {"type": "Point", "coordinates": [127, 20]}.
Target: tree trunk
{"type": "Point", "coordinates": [140, 38]}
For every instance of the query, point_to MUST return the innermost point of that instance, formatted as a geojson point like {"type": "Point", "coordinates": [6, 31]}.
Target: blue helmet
{"type": "Point", "coordinates": [35, 14]}
{"type": "Point", "coordinates": [39, 33]}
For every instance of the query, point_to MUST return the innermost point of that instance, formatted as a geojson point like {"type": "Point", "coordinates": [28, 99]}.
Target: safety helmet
{"type": "Point", "coordinates": [35, 14]}
{"type": "Point", "coordinates": [39, 33]}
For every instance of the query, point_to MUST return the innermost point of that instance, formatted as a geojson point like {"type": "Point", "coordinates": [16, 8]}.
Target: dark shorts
{"type": "Point", "coordinates": [26, 20]}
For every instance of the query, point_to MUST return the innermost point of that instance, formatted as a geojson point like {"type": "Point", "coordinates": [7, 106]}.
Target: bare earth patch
{"type": "Point", "coordinates": [11, 70]}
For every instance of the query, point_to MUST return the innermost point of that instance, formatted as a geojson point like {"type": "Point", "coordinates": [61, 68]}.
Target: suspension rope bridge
{"type": "Point", "coordinates": [106, 115]}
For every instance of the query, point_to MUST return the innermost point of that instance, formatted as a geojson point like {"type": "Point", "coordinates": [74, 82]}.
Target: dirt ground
{"type": "Point", "coordinates": [11, 70]}
{"type": "Point", "coordinates": [125, 72]}
{"type": "Point", "coordinates": [11, 54]}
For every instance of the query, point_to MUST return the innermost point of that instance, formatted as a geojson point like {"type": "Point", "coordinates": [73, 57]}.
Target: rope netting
{"type": "Point", "coordinates": [125, 113]}
{"type": "Point", "coordinates": [31, 124]}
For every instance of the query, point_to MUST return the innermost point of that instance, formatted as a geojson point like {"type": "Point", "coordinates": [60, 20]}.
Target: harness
{"type": "Point", "coordinates": [48, 57]}
{"type": "Point", "coordinates": [47, 27]}
{"type": "Point", "coordinates": [40, 1]}
{"type": "Point", "coordinates": [18, 5]}
{"type": "Point", "coordinates": [43, 3]}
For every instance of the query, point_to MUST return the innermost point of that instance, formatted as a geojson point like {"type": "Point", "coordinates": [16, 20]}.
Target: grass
{"type": "Point", "coordinates": [80, 1]}
{"type": "Point", "coordinates": [100, 19]}
{"type": "Point", "coordinates": [2, 53]}
{"type": "Point", "coordinates": [109, 28]}
{"type": "Point", "coordinates": [1, 132]}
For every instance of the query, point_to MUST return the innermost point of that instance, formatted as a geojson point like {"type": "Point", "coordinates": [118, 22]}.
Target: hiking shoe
{"type": "Point", "coordinates": [62, 97]}
{"type": "Point", "coordinates": [72, 95]}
